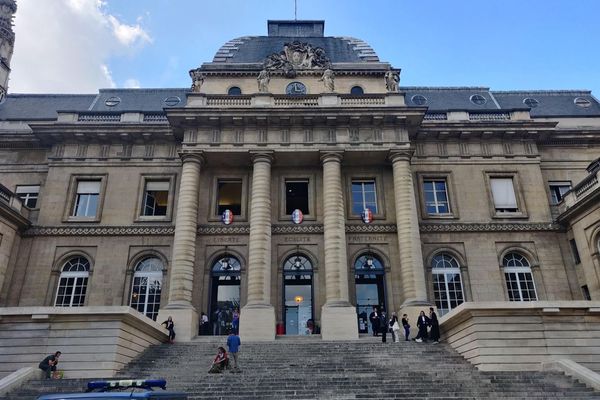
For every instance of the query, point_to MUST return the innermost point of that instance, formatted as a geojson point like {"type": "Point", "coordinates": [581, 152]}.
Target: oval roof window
{"type": "Point", "coordinates": [172, 101]}
{"type": "Point", "coordinates": [419, 100]}
{"type": "Point", "coordinates": [531, 102]}
{"type": "Point", "coordinates": [478, 99]}
{"type": "Point", "coordinates": [112, 101]}
{"type": "Point", "coordinates": [582, 102]}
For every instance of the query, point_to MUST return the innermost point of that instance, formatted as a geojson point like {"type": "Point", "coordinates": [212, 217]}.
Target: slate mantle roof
{"type": "Point", "coordinates": [550, 103]}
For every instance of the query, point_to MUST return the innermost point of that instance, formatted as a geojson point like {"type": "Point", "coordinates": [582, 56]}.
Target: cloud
{"type": "Point", "coordinates": [64, 46]}
{"type": "Point", "coordinates": [132, 83]}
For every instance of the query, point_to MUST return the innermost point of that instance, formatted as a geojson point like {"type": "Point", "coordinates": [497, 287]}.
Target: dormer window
{"type": "Point", "coordinates": [234, 91]}
{"type": "Point", "coordinates": [357, 90]}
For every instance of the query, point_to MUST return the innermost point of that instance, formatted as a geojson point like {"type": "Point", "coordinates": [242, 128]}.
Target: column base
{"type": "Point", "coordinates": [257, 323]}
{"type": "Point", "coordinates": [185, 319]}
{"type": "Point", "coordinates": [413, 310]}
{"type": "Point", "coordinates": [339, 322]}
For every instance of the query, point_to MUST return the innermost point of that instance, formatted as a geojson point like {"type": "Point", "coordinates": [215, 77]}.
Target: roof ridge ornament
{"type": "Point", "coordinates": [297, 56]}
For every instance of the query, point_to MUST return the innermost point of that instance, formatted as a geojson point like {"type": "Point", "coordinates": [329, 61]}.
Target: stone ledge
{"type": "Point", "coordinates": [521, 336]}
{"type": "Point", "coordinates": [95, 341]}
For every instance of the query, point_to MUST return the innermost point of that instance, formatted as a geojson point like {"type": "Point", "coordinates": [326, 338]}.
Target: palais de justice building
{"type": "Point", "coordinates": [299, 182]}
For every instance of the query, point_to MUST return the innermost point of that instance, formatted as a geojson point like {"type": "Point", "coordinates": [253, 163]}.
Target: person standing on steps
{"type": "Point", "coordinates": [374, 318]}
{"type": "Point", "coordinates": [220, 363]}
{"type": "Point", "coordinates": [434, 333]}
{"type": "Point", "coordinates": [235, 322]}
{"type": "Point", "coordinates": [383, 326]}
{"type": "Point", "coordinates": [170, 325]}
{"type": "Point", "coordinates": [406, 327]}
{"type": "Point", "coordinates": [203, 324]}
{"type": "Point", "coordinates": [233, 344]}
{"type": "Point", "coordinates": [422, 324]}
{"type": "Point", "coordinates": [395, 328]}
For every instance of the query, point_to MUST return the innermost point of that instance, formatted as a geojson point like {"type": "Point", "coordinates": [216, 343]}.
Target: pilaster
{"type": "Point", "coordinates": [409, 238]}
{"type": "Point", "coordinates": [181, 280]}
{"type": "Point", "coordinates": [338, 316]}
{"type": "Point", "coordinates": [257, 318]}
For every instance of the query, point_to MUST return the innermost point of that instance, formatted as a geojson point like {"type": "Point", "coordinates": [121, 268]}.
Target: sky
{"type": "Point", "coordinates": [79, 46]}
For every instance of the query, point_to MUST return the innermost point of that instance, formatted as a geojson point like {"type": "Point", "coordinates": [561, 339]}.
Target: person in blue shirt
{"type": "Point", "coordinates": [233, 344]}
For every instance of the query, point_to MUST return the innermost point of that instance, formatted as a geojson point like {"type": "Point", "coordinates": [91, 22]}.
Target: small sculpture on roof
{"type": "Point", "coordinates": [263, 80]}
{"type": "Point", "coordinates": [297, 55]}
{"type": "Point", "coordinates": [392, 80]}
{"type": "Point", "coordinates": [197, 79]}
{"type": "Point", "coordinates": [328, 79]}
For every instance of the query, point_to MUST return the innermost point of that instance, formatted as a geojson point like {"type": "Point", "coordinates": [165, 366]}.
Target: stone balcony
{"type": "Point", "coordinates": [196, 100]}
{"type": "Point", "coordinates": [11, 206]}
{"type": "Point", "coordinates": [583, 192]}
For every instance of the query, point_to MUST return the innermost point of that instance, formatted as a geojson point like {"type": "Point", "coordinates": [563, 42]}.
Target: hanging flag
{"type": "Point", "coordinates": [367, 216]}
{"type": "Point", "coordinates": [297, 216]}
{"type": "Point", "coordinates": [227, 217]}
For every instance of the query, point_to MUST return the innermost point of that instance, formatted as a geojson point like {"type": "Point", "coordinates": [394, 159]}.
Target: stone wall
{"type": "Point", "coordinates": [520, 336]}
{"type": "Point", "coordinates": [94, 341]}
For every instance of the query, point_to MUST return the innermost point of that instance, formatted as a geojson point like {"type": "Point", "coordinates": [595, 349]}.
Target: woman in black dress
{"type": "Point", "coordinates": [434, 333]}
{"type": "Point", "coordinates": [422, 324]}
{"type": "Point", "coordinates": [170, 325]}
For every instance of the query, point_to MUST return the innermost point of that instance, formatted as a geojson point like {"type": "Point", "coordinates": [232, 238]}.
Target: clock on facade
{"type": "Point", "coordinates": [295, 88]}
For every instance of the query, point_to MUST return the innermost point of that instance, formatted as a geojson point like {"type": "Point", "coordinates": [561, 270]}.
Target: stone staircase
{"type": "Point", "coordinates": [305, 368]}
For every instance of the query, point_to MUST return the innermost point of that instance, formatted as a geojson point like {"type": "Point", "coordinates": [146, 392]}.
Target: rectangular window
{"type": "Point", "coordinates": [558, 190]}
{"type": "Point", "coordinates": [586, 292]}
{"type": "Point", "coordinates": [436, 196]}
{"type": "Point", "coordinates": [86, 199]}
{"type": "Point", "coordinates": [364, 195]}
{"type": "Point", "coordinates": [229, 196]}
{"type": "Point", "coordinates": [575, 251]}
{"type": "Point", "coordinates": [156, 198]}
{"type": "Point", "coordinates": [503, 192]}
{"type": "Point", "coordinates": [296, 196]}
{"type": "Point", "coordinates": [28, 194]}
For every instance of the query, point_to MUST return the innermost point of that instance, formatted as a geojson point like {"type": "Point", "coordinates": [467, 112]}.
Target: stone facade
{"type": "Point", "coordinates": [458, 178]}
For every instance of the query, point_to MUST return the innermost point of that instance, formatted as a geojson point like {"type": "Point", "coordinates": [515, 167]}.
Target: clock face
{"type": "Point", "coordinates": [295, 88]}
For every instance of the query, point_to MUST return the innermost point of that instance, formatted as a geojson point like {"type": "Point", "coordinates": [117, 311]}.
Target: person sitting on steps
{"type": "Point", "coordinates": [48, 365]}
{"type": "Point", "coordinates": [220, 363]}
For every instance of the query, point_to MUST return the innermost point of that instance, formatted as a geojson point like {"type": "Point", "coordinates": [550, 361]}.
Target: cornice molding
{"type": "Point", "coordinates": [491, 227]}
{"type": "Point", "coordinates": [99, 230]}
{"type": "Point", "coordinates": [223, 229]}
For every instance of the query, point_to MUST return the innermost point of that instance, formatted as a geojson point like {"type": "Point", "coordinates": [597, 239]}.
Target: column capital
{"type": "Point", "coordinates": [332, 155]}
{"type": "Point", "coordinates": [262, 156]}
{"type": "Point", "coordinates": [401, 155]}
{"type": "Point", "coordinates": [195, 157]}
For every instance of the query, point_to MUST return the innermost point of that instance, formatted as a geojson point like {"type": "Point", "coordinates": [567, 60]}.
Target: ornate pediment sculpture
{"type": "Point", "coordinates": [295, 56]}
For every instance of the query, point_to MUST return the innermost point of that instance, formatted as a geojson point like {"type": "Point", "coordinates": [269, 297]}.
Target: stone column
{"type": "Point", "coordinates": [257, 318]}
{"type": "Point", "coordinates": [409, 239]}
{"type": "Point", "coordinates": [181, 273]}
{"type": "Point", "coordinates": [338, 316]}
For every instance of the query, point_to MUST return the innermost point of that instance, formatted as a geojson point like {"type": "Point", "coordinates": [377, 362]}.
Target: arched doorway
{"type": "Point", "coordinates": [369, 277]}
{"type": "Point", "coordinates": [225, 293]}
{"type": "Point", "coordinates": [297, 295]}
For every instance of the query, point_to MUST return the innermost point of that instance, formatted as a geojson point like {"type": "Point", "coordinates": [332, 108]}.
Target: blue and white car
{"type": "Point", "coordinates": [122, 389]}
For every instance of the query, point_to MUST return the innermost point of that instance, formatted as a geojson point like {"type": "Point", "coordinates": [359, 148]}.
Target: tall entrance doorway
{"type": "Point", "coordinates": [369, 277]}
{"type": "Point", "coordinates": [225, 294]}
{"type": "Point", "coordinates": [298, 294]}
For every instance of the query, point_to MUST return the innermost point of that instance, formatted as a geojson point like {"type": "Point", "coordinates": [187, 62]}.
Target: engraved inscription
{"type": "Point", "coordinates": [366, 238]}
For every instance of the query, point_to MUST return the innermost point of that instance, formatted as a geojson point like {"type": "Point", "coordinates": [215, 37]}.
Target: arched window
{"type": "Point", "coordinates": [519, 280]}
{"type": "Point", "coordinates": [357, 90]}
{"type": "Point", "coordinates": [369, 279]}
{"type": "Point", "coordinates": [234, 91]}
{"type": "Point", "coordinates": [447, 283]}
{"type": "Point", "coordinates": [147, 286]}
{"type": "Point", "coordinates": [72, 283]}
{"type": "Point", "coordinates": [297, 292]}
{"type": "Point", "coordinates": [225, 292]}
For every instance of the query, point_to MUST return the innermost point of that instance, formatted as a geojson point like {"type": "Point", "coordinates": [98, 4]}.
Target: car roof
{"type": "Point", "coordinates": [114, 395]}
